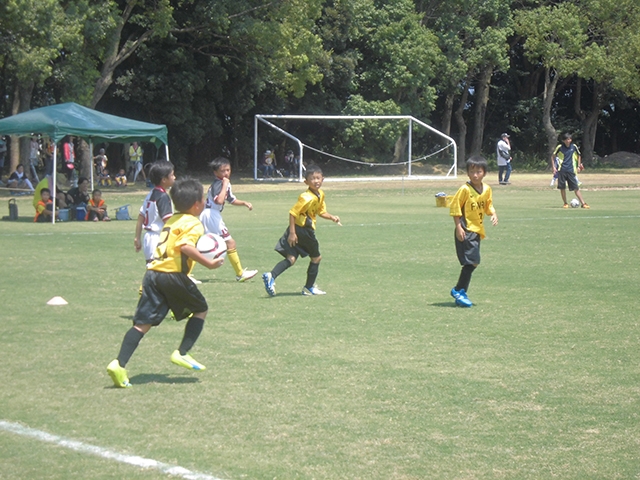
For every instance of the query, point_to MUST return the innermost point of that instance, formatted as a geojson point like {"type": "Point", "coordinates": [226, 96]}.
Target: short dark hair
{"type": "Point", "coordinates": [567, 136]}
{"type": "Point", "coordinates": [45, 190]}
{"type": "Point", "coordinates": [185, 193]}
{"type": "Point", "coordinates": [218, 162]}
{"type": "Point", "coordinates": [159, 170]}
{"type": "Point", "coordinates": [96, 190]}
{"type": "Point", "coordinates": [82, 180]}
{"type": "Point", "coordinates": [477, 161]}
{"type": "Point", "coordinates": [311, 169]}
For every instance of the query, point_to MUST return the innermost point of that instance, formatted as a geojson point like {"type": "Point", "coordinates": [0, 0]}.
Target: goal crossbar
{"type": "Point", "coordinates": [264, 118]}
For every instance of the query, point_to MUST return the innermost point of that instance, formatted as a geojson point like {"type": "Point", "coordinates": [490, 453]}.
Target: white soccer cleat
{"type": "Point", "coordinates": [246, 275]}
{"type": "Point", "coordinates": [313, 291]}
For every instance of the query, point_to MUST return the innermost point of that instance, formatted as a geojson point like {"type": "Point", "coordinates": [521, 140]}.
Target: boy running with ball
{"type": "Point", "coordinates": [470, 204]}
{"type": "Point", "coordinates": [166, 285]}
{"type": "Point", "coordinates": [299, 238]}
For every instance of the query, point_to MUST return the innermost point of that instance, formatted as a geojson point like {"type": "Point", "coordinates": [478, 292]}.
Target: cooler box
{"type": "Point", "coordinates": [81, 213]}
{"type": "Point", "coordinates": [444, 201]}
{"type": "Point", "coordinates": [63, 214]}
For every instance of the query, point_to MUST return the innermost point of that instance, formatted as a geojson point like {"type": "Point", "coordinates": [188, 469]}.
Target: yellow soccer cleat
{"type": "Point", "coordinates": [186, 361]}
{"type": "Point", "coordinates": [118, 374]}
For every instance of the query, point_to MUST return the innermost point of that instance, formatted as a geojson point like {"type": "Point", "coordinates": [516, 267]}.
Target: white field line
{"type": "Point", "coordinates": [81, 447]}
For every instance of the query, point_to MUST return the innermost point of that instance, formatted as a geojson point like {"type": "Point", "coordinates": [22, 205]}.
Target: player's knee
{"type": "Point", "coordinates": [231, 244]}
{"type": "Point", "coordinates": [316, 259]}
{"type": "Point", "coordinates": [291, 259]}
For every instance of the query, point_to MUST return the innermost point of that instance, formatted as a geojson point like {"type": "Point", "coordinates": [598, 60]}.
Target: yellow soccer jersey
{"type": "Point", "coordinates": [472, 206]}
{"type": "Point", "coordinates": [309, 205]}
{"type": "Point", "coordinates": [181, 229]}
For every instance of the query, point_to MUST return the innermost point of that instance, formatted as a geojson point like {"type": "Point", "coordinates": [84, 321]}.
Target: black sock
{"type": "Point", "coordinates": [465, 277]}
{"type": "Point", "coordinates": [312, 274]}
{"type": "Point", "coordinates": [129, 344]}
{"type": "Point", "coordinates": [280, 267]}
{"type": "Point", "coordinates": [191, 333]}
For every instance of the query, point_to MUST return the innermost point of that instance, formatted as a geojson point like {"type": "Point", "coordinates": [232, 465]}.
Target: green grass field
{"type": "Point", "coordinates": [382, 378]}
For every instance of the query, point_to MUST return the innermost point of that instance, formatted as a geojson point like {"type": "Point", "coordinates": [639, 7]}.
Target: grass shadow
{"type": "Point", "coordinates": [161, 378]}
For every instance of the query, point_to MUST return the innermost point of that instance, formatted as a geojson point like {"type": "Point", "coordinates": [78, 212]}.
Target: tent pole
{"type": "Point", "coordinates": [91, 162]}
{"type": "Point", "coordinates": [166, 149]}
{"type": "Point", "coordinates": [55, 181]}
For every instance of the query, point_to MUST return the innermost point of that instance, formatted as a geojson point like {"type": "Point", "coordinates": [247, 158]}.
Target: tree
{"type": "Point", "coordinates": [32, 34]}
{"type": "Point", "coordinates": [554, 36]}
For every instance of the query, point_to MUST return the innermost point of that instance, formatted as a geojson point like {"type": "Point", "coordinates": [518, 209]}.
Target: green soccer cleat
{"type": "Point", "coordinates": [186, 361]}
{"type": "Point", "coordinates": [118, 374]}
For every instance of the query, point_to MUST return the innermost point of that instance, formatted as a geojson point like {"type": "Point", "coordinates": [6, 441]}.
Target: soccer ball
{"type": "Point", "coordinates": [575, 203]}
{"type": "Point", "coordinates": [212, 246]}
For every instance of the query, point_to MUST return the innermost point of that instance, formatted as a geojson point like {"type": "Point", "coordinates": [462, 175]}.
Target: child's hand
{"type": "Point", "coordinates": [336, 219]}
{"type": "Point", "coordinates": [494, 219]}
{"type": "Point", "coordinates": [460, 233]}
{"type": "Point", "coordinates": [248, 205]}
{"type": "Point", "coordinates": [293, 239]}
{"type": "Point", "coordinates": [137, 244]}
{"type": "Point", "coordinates": [215, 263]}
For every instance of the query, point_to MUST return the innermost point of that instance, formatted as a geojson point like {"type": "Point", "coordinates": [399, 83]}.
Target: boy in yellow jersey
{"type": "Point", "coordinates": [470, 204]}
{"type": "Point", "coordinates": [166, 285]}
{"type": "Point", "coordinates": [299, 238]}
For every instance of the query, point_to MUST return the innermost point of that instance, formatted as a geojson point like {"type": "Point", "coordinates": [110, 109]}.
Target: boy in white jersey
{"type": "Point", "coordinates": [470, 204]}
{"type": "Point", "coordinates": [156, 208]}
{"type": "Point", "coordinates": [219, 193]}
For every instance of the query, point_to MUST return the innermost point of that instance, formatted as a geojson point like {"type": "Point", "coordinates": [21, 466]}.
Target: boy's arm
{"type": "Point", "coordinates": [460, 233]}
{"type": "Point", "coordinates": [222, 196]}
{"type": "Point", "coordinates": [136, 240]}
{"type": "Point", "coordinates": [242, 203]}
{"type": "Point", "coordinates": [328, 216]}
{"type": "Point", "coordinates": [193, 253]}
{"type": "Point", "coordinates": [293, 238]}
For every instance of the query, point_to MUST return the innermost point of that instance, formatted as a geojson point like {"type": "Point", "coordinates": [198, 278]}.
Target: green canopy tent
{"type": "Point", "coordinates": [58, 121]}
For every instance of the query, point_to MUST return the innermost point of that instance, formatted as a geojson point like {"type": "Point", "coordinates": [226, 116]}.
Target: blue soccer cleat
{"type": "Point", "coordinates": [269, 284]}
{"type": "Point", "coordinates": [461, 297]}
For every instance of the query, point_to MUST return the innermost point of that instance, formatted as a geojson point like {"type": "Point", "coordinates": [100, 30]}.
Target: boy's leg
{"type": "Point", "coordinates": [131, 340]}
{"type": "Point", "coordinates": [312, 274]}
{"type": "Point", "coordinates": [192, 331]}
{"type": "Point", "coordinates": [280, 267]}
{"type": "Point", "coordinates": [130, 343]}
{"type": "Point", "coordinates": [465, 277]}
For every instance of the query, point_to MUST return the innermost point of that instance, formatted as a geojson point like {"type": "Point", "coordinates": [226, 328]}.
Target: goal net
{"type": "Point", "coordinates": [351, 148]}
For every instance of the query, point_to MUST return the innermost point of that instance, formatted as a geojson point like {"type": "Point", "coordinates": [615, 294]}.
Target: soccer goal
{"type": "Point", "coordinates": [351, 148]}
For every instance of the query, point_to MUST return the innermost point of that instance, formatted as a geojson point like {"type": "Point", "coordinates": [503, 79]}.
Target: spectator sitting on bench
{"type": "Point", "coordinates": [18, 179]}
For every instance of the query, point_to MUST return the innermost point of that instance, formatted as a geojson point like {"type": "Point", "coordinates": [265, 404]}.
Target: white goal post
{"type": "Point", "coordinates": [452, 172]}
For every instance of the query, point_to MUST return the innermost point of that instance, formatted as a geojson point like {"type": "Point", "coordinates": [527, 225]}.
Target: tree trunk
{"type": "Point", "coordinates": [462, 126]}
{"type": "Point", "coordinates": [589, 119]}
{"type": "Point", "coordinates": [550, 85]}
{"type": "Point", "coordinates": [482, 99]}
{"type": "Point", "coordinates": [22, 94]}
{"type": "Point", "coordinates": [445, 126]}
{"type": "Point", "coordinates": [400, 148]}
